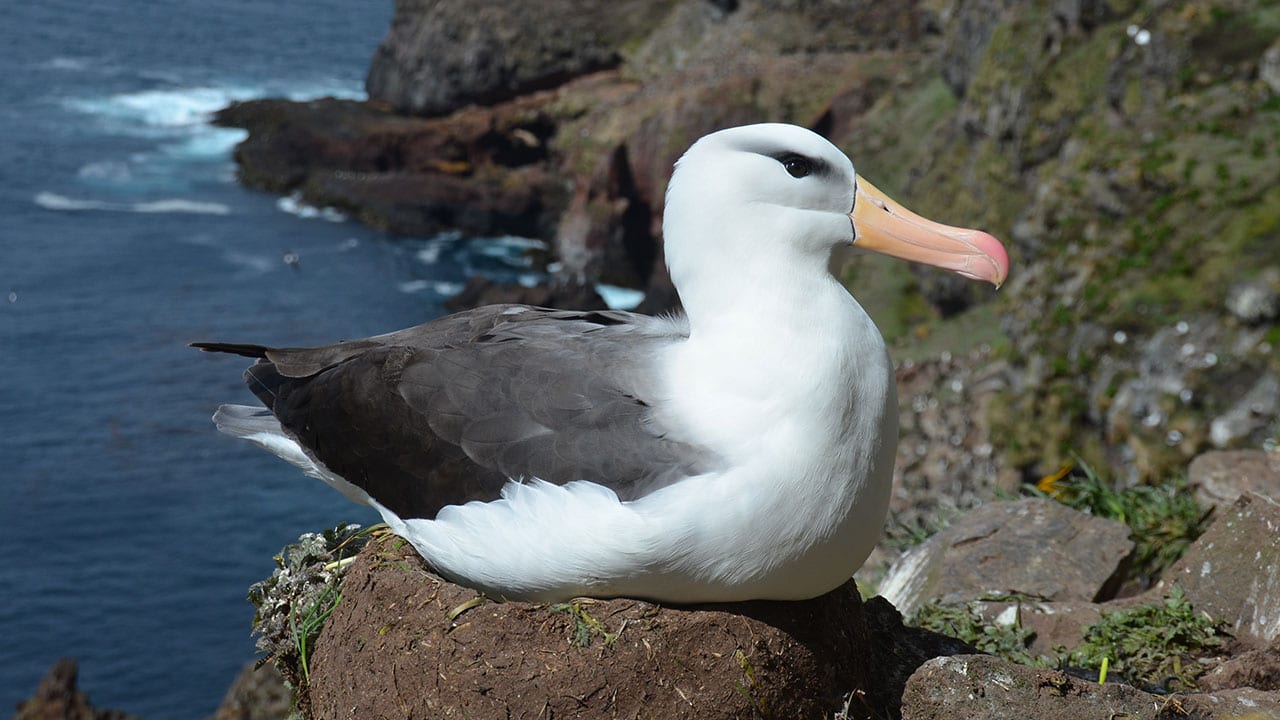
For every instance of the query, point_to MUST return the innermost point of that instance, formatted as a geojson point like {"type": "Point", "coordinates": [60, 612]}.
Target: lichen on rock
{"type": "Point", "coordinates": [293, 604]}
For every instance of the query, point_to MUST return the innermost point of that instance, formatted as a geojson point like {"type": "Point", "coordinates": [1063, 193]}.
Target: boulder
{"type": "Point", "coordinates": [258, 693]}
{"type": "Point", "coordinates": [1233, 571]}
{"type": "Point", "coordinates": [405, 643]}
{"type": "Point", "coordinates": [981, 686]}
{"type": "Point", "coordinates": [1030, 547]}
{"type": "Point", "coordinates": [1218, 477]}
{"type": "Point", "coordinates": [1257, 668]}
{"type": "Point", "coordinates": [440, 56]}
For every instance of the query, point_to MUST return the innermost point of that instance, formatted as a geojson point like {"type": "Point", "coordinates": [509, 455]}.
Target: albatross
{"type": "Point", "coordinates": [741, 450]}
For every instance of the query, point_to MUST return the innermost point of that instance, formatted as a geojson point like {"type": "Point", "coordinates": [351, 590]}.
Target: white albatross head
{"type": "Point", "coordinates": [756, 205]}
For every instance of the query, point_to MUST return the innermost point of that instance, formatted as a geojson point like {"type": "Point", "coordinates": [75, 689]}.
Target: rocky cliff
{"type": "Point", "coordinates": [1126, 150]}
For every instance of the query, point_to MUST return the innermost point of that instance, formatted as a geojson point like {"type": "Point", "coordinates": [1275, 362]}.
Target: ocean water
{"type": "Point", "coordinates": [129, 529]}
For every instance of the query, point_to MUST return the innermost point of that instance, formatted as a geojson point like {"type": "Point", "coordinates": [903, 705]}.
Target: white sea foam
{"type": "Point", "coordinates": [503, 259]}
{"type": "Point", "coordinates": [113, 171]}
{"type": "Point", "coordinates": [440, 288]}
{"type": "Point", "coordinates": [430, 252]}
{"type": "Point", "coordinates": [257, 264]}
{"type": "Point", "coordinates": [71, 64]}
{"type": "Point", "coordinates": [619, 298]}
{"type": "Point", "coordinates": [413, 286]}
{"type": "Point", "coordinates": [179, 205]}
{"type": "Point", "coordinates": [178, 119]}
{"type": "Point", "coordinates": [209, 142]}
{"type": "Point", "coordinates": [515, 242]}
{"type": "Point", "coordinates": [184, 107]}
{"type": "Point", "coordinates": [152, 109]}
{"type": "Point", "coordinates": [510, 249]}
{"type": "Point", "coordinates": [294, 205]}
{"type": "Point", "coordinates": [54, 201]}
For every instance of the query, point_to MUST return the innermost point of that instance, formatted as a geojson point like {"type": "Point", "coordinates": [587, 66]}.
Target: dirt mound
{"type": "Point", "coordinates": [400, 644]}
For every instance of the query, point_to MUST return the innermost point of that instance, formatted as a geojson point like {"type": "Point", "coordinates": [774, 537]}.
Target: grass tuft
{"type": "Point", "coordinates": [585, 626]}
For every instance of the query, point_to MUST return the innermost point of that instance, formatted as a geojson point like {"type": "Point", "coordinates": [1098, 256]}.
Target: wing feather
{"type": "Point", "coordinates": [449, 412]}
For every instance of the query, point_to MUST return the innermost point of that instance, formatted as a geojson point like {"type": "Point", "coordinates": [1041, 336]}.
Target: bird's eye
{"type": "Point", "coordinates": [797, 166]}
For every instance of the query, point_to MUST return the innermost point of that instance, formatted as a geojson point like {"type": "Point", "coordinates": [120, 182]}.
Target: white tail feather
{"type": "Point", "coordinates": [260, 427]}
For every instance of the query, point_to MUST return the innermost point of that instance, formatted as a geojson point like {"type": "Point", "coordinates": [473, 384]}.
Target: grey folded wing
{"type": "Point", "coordinates": [450, 411]}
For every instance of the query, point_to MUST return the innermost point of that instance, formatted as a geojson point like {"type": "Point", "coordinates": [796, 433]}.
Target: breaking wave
{"type": "Point", "coordinates": [294, 205]}
{"type": "Point", "coordinates": [53, 201]}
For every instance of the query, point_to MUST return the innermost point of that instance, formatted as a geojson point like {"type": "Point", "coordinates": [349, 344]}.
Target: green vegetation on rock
{"type": "Point", "coordinates": [292, 604]}
{"type": "Point", "coordinates": [964, 622]}
{"type": "Point", "coordinates": [1153, 645]}
{"type": "Point", "coordinates": [1157, 645]}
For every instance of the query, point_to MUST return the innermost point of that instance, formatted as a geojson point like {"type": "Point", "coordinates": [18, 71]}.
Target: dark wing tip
{"type": "Point", "coordinates": [244, 349]}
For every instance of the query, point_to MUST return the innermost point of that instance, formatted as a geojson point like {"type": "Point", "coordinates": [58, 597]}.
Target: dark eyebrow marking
{"type": "Point", "coordinates": [817, 166]}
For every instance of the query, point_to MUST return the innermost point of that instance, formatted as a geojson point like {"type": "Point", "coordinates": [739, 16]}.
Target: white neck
{"type": "Point", "coordinates": [776, 343]}
{"type": "Point", "coordinates": [795, 354]}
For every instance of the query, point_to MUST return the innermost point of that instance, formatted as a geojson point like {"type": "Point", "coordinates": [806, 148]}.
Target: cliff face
{"type": "Point", "coordinates": [1131, 151]}
{"type": "Point", "coordinates": [1126, 150]}
{"type": "Point", "coordinates": [438, 56]}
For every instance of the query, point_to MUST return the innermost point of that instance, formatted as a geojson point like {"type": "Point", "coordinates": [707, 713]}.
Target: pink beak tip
{"type": "Point", "coordinates": [994, 251]}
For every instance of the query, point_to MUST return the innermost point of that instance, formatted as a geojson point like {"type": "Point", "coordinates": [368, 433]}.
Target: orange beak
{"type": "Point", "coordinates": [882, 225]}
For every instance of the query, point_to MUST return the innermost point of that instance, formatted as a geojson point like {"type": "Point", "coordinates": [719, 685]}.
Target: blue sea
{"type": "Point", "coordinates": [129, 529]}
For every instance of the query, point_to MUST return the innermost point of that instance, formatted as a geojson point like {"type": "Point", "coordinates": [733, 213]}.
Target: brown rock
{"type": "Point", "coordinates": [1219, 477]}
{"type": "Point", "coordinates": [391, 648]}
{"type": "Point", "coordinates": [58, 698]}
{"type": "Point", "coordinates": [481, 171]}
{"type": "Point", "coordinates": [560, 149]}
{"type": "Point", "coordinates": [1257, 668]}
{"type": "Point", "coordinates": [980, 686]}
{"type": "Point", "coordinates": [1233, 571]}
{"type": "Point", "coordinates": [897, 651]}
{"type": "Point", "coordinates": [1056, 624]}
{"type": "Point", "coordinates": [257, 693]}
{"type": "Point", "coordinates": [1031, 547]}
{"type": "Point", "coordinates": [440, 56]}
